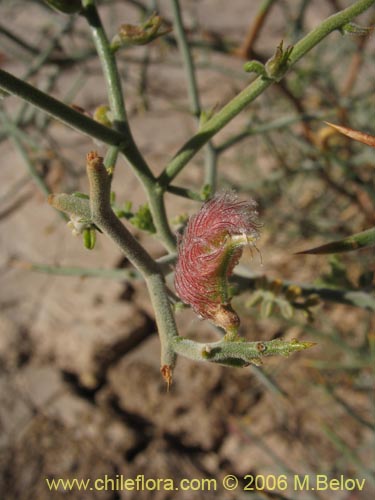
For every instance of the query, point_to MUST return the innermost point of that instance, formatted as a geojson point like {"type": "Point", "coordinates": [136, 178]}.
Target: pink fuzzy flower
{"type": "Point", "coordinates": [208, 251]}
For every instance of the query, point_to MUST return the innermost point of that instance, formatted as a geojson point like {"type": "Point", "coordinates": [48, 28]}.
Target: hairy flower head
{"type": "Point", "coordinates": [208, 251]}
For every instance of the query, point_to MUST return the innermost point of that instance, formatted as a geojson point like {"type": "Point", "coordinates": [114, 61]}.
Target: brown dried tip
{"type": "Point", "coordinates": [166, 371]}
{"type": "Point", "coordinates": [93, 156]}
{"type": "Point", "coordinates": [354, 134]}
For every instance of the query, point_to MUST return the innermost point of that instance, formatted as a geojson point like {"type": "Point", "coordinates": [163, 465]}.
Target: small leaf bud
{"type": "Point", "coordinates": [130, 34]}
{"type": "Point", "coordinates": [278, 64]}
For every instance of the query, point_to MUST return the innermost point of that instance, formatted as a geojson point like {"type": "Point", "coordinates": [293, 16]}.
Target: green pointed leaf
{"type": "Point", "coordinates": [354, 242]}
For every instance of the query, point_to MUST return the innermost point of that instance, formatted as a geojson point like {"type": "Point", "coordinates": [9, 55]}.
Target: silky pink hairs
{"type": "Point", "coordinates": [208, 251]}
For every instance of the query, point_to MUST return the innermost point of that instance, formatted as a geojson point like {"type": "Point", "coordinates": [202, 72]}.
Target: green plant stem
{"type": "Point", "coordinates": [353, 242]}
{"type": "Point", "coordinates": [350, 455]}
{"type": "Point", "coordinates": [61, 111]}
{"type": "Point", "coordinates": [82, 272]}
{"type": "Point", "coordinates": [210, 163]}
{"type": "Point", "coordinates": [184, 192]}
{"type": "Point", "coordinates": [26, 113]}
{"type": "Point", "coordinates": [257, 87]}
{"type": "Point", "coordinates": [10, 128]}
{"type": "Point", "coordinates": [236, 353]}
{"type": "Point", "coordinates": [193, 91]}
{"type": "Point", "coordinates": [76, 120]}
{"type": "Point", "coordinates": [187, 59]}
{"type": "Point", "coordinates": [110, 161]}
{"type": "Point", "coordinates": [39, 181]}
{"type": "Point", "coordinates": [84, 124]}
{"type": "Point", "coordinates": [114, 90]}
{"type": "Point", "coordinates": [210, 128]}
{"type": "Point", "coordinates": [18, 40]}
{"type": "Point", "coordinates": [103, 216]}
{"type": "Point", "coordinates": [356, 298]}
{"type": "Point", "coordinates": [261, 128]}
{"type": "Point", "coordinates": [111, 157]}
{"type": "Point", "coordinates": [117, 105]}
{"type": "Point", "coordinates": [99, 212]}
{"type": "Point", "coordinates": [155, 196]}
{"type": "Point", "coordinates": [268, 381]}
{"type": "Point", "coordinates": [349, 409]}
{"type": "Point", "coordinates": [107, 59]}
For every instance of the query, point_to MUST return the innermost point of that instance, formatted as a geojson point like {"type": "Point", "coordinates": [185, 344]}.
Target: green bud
{"type": "Point", "coordinates": [102, 114]}
{"type": "Point", "coordinates": [65, 6]}
{"type": "Point", "coordinates": [143, 219]}
{"type": "Point", "coordinates": [89, 238]}
{"type": "Point", "coordinates": [278, 64]}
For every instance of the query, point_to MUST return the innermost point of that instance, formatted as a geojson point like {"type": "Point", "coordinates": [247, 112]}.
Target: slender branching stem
{"type": "Point", "coordinates": [236, 353]}
{"type": "Point", "coordinates": [114, 91]}
{"type": "Point", "coordinates": [155, 196]}
{"type": "Point", "coordinates": [193, 91]}
{"type": "Point", "coordinates": [164, 263]}
{"type": "Point", "coordinates": [60, 111]}
{"type": "Point", "coordinates": [187, 58]}
{"type": "Point", "coordinates": [97, 209]}
{"type": "Point", "coordinates": [103, 216]}
{"type": "Point", "coordinates": [257, 87]}
{"type": "Point", "coordinates": [117, 105]}
{"type": "Point", "coordinates": [110, 159]}
{"type": "Point", "coordinates": [111, 76]}
{"type": "Point", "coordinates": [39, 181]}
